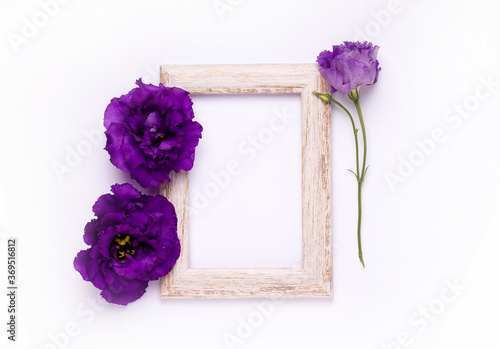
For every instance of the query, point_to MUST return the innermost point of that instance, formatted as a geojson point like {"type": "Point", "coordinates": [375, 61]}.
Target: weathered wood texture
{"type": "Point", "coordinates": [314, 279]}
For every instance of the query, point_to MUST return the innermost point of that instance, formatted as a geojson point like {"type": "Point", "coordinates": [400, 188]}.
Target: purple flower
{"type": "Point", "coordinates": [150, 132]}
{"type": "Point", "coordinates": [349, 66]}
{"type": "Point", "coordinates": [133, 240]}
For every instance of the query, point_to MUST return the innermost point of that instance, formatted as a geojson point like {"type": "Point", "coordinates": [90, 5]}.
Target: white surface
{"type": "Point", "coordinates": [438, 224]}
{"type": "Point", "coordinates": [245, 190]}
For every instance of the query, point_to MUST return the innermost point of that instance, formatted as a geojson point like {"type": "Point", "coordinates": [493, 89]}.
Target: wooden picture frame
{"type": "Point", "coordinates": [314, 279]}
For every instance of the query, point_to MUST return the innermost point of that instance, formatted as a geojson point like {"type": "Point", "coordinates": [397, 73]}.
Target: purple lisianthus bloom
{"type": "Point", "coordinates": [133, 240]}
{"type": "Point", "coordinates": [150, 131]}
{"type": "Point", "coordinates": [349, 66]}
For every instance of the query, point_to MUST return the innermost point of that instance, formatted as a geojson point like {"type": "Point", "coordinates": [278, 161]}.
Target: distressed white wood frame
{"type": "Point", "coordinates": [314, 279]}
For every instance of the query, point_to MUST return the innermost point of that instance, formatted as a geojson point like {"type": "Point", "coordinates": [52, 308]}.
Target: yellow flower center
{"type": "Point", "coordinates": [123, 245]}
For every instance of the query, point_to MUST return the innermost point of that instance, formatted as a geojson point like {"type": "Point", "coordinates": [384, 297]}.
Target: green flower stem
{"type": "Point", "coordinates": [327, 98]}
{"type": "Point", "coordinates": [355, 130]}
{"type": "Point", "coordinates": [360, 176]}
{"type": "Point", "coordinates": [361, 179]}
{"type": "Point", "coordinates": [360, 252]}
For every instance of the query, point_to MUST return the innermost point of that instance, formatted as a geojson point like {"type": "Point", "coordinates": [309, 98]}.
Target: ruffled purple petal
{"type": "Point", "coordinates": [116, 136]}
{"type": "Point", "coordinates": [87, 264]}
{"type": "Point", "coordinates": [125, 193]}
{"type": "Point", "coordinates": [104, 204]}
{"type": "Point", "coordinates": [349, 66]}
{"type": "Point", "coordinates": [164, 268]}
{"type": "Point", "coordinates": [324, 59]}
{"type": "Point", "coordinates": [136, 268]}
{"type": "Point", "coordinates": [159, 207]}
{"type": "Point", "coordinates": [115, 112]}
{"type": "Point", "coordinates": [153, 120]}
{"type": "Point", "coordinates": [90, 232]}
{"type": "Point", "coordinates": [121, 290]}
{"type": "Point", "coordinates": [125, 296]}
{"type": "Point", "coordinates": [150, 132]}
{"type": "Point", "coordinates": [149, 178]}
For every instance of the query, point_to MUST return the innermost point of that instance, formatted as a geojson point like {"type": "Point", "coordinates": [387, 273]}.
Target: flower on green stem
{"type": "Point", "coordinates": [346, 68]}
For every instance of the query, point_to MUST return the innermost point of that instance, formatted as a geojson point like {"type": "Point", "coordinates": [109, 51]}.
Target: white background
{"type": "Point", "coordinates": [439, 222]}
